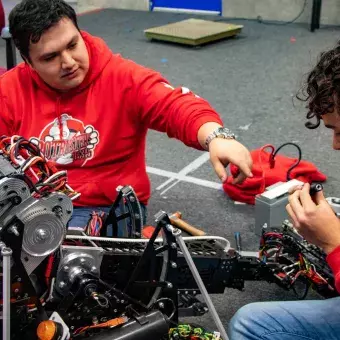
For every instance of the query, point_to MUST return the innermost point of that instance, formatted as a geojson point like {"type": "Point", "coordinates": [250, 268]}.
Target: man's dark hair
{"type": "Point", "coordinates": [322, 88]}
{"type": "Point", "coordinates": [31, 18]}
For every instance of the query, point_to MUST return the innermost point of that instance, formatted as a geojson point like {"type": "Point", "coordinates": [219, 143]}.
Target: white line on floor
{"type": "Point", "coordinates": [183, 178]}
{"type": "Point", "coordinates": [198, 162]}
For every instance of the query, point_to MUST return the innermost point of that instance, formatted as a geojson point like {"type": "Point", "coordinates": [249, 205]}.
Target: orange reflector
{"type": "Point", "coordinates": [46, 330]}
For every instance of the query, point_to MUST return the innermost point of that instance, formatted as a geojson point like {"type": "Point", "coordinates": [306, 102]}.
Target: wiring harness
{"type": "Point", "coordinates": [298, 260]}
{"type": "Point", "coordinates": [41, 175]}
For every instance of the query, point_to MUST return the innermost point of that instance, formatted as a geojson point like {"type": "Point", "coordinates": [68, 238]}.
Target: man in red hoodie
{"type": "Point", "coordinates": [89, 110]}
{"type": "Point", "coordinates": [315, 220]}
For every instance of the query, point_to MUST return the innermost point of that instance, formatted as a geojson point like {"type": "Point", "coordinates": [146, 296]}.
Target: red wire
{"type": "Point", "coordinates": [263, 185]}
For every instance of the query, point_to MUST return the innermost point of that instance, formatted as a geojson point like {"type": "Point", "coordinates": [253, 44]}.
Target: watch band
{"type": "Point", "coordinates": [220, 132]}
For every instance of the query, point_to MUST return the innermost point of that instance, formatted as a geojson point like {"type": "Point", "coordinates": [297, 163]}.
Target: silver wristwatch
{"type": "Point", "coordinates": [220, 132]}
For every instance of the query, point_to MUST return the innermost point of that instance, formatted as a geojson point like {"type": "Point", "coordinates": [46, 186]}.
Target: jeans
{"type": "Point", "coordinates": [298, 320]}
{"type": "Point", "coordinates": [81, 216]}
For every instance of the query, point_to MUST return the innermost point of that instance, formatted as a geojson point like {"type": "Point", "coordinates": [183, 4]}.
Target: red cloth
{"type": "Point", "coordinates": [97, 131]}
{"type": "Point", "coordinates": [2, 16]}
{"type": "Point", "coordinates": [266, 173]}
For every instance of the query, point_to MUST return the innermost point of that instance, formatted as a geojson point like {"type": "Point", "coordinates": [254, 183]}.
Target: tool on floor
{"type": "Point", "coordinates": [176, 220]}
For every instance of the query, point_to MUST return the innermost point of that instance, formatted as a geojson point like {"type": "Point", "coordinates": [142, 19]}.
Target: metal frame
{"type": "Point", "coordinates": [11, 57]}
{"type": "Point", "coordinates": [316, 14]}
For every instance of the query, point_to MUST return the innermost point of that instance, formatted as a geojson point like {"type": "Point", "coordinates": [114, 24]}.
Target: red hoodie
{"type": "Point", "coordinates": [104, 121]}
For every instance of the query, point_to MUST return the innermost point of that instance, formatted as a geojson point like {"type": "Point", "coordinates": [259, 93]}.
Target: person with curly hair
{"type": "Point", "coordinates": [90, 109]}
{"type": "Point", "coordinates": [315, 220]}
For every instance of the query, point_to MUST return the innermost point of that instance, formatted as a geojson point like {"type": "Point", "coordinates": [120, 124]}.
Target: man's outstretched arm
{"type": "Point", "coordinates": [185, 116]}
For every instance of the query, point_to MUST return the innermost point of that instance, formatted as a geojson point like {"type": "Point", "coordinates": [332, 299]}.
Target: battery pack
{"type": "Point", "coordinates": [270, 206]}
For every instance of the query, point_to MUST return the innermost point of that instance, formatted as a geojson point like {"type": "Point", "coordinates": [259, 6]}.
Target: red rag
{"type": "Point", "coordinates": [268, 172]}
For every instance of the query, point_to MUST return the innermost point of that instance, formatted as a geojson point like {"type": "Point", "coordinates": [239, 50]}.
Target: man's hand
{"type": "Point", "coordinates": [225, 151]}
{"type": "Point", "coordinates": [314, 218]}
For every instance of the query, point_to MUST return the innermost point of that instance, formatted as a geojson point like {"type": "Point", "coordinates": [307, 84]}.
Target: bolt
{"type": "Point", "coordinates": [94, 269]}
{"type": "Point", "coordinates": [16, 290]}
{"type": "Point", "coordinates": [137, 216]}
{"type": "Point", "coordinates": [66, 268]}
{"type": "Point", "coordinates": [72, 327]}
{"type": "Point", "coordinates": [13, 230]}
{"type": "Point", "coordinates": [173, 265]}
{"type": "Point", "coordinates": [169, 285]}
{"type": "Point", "coordinates": [161, 305]}
{"type": "Point", "coordinates": [132, 199]}
{"type": "Point", "coordinates": [173, 245]}
{"type": "Point", "coordinates": [82, 260]}
{"type": "Point", "coordinates": [41, 234]}
{"type": "Point", "coordinates": [62, 284]}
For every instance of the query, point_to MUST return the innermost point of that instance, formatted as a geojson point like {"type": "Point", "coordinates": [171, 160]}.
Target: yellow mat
{"type": "Point", "coordinates": [193, 32]}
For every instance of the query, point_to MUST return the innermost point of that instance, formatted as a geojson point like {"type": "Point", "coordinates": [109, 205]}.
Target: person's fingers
{"type": "Point", "coordinates": [295, 204]}
{"type": "Point", "coordinates": [245, 167]}
{"type": "Point", "coordinates": [319, 197]}
{"type": "Point", "coordinates": [220, 169]}
{"type": "Point", "coordinates": [306, 199]}
{"type": "Point", "coordinates": [292, 215]}
{"type": "Point", "coordinates": [241, 177]}
{"type": "Point", "coordinates": [295, 188]}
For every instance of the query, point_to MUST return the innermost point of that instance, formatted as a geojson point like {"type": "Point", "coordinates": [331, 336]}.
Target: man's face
{"type": "Point", "coordinates": [60, 57]}
{"type": "Point", "coordinates": [332, 121]}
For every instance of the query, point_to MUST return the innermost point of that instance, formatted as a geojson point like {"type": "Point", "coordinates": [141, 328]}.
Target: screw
{"type": "Point", "coordinates": [62, 284]}
{"type": "Point", "coordinates": [169, 285]}
{"type": "Point", "coordinates": [66, 268]}
{"type": "Point", "coordinates": [13, 230]}
{"type": "Point", "coordinates": [132, 199]}
{"type": "Point", "coordinates": [173, 265]}
{"type": "Point", "coordinates": [173, 245]}
{"type": "Point", "coordinates": [161, 305]}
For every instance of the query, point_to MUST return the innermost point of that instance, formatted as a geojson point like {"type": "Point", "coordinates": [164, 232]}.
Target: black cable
{"type": "Point", "coordinates": [295, 164]}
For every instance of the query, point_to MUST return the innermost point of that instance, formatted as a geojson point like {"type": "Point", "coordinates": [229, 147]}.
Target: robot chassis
{"type": "Point", "coordinates": [62, 283]}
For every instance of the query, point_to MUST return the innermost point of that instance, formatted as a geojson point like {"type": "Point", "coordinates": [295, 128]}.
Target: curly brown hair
{"type": "Point", "coordinates": [322, 88]}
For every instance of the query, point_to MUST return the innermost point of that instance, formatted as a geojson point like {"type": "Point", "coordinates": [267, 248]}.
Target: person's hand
{"type": "Point", "coordinates": [314, 218]}
{"type": "Point", "coordinates": [225, 151]}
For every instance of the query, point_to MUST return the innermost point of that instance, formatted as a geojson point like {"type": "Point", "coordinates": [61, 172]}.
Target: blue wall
{"type": "Point", "coordinates": [206, 5]}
